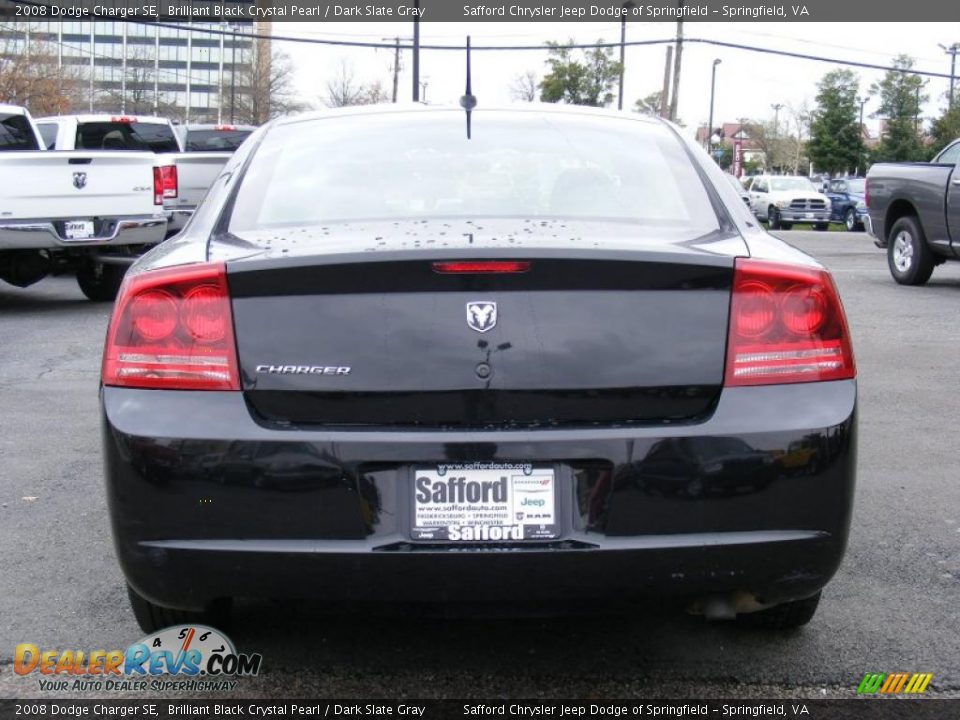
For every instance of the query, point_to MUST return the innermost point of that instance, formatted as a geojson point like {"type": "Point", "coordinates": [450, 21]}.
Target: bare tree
{"type": "Point", "coordinates": [525, 87]}
{"type": "Point", "coordinates": [31, 75]}
{"type": "Point", "coordinates": [264, 88]}
{"type": "Point", "coordinates": [343, 89]}
{"type": "Point", "coordinates": [137, 93]}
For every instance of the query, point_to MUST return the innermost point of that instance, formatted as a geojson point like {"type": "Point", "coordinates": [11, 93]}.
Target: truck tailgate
{"type": "Point", "coordinates": [56, 185]}
{"type": "Point", "coordinates": [195, 174]}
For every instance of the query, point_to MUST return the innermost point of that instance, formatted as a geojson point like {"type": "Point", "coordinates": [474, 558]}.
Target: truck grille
{"type": "Point", "coordinates": [803, 204]}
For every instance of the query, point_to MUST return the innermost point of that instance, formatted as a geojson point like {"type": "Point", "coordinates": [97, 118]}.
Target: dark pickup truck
{"type": "Point", "coordinates": [914, 213]}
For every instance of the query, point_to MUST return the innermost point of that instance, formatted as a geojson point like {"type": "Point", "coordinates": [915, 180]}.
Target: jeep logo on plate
{"type": "Point", "coordinates": [482, 315]}
{"type": "Point", "coordinates": [79, 180]}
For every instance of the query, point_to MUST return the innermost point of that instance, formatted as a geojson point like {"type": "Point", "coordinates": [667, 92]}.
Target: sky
{"type": "Point", "coordinates": [748, 83]}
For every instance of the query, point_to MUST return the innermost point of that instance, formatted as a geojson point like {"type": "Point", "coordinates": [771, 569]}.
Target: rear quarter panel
{"type": "Point", "coordinates": [922, 187]}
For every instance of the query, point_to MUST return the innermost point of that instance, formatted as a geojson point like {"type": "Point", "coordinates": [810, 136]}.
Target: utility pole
{"type": "Point", "coordinates": [860, 144]}
{"type": "Point", "coordinates": [777, 107]}
{"type": "Point", "coordinates": [713, 86]}
{"type": "Point", "coordinates": [396, 64]}
{"type": "Point", "coordinates": [665, 93]}
{"type": "Point", "coordinates": [952, 51]}
{"type": "Point", "coordinates": [627, 7]}
{"type": "Point", "coordinates": [416, 51]}
{"type": "Point", "coordinates": [676, 66]}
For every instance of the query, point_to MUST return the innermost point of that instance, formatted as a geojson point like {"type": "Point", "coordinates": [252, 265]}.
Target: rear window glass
{"type": "Point", "coordinates": [48, 133]}
{"type": "Point", "coordinates": [214, 140]}
{"type": "Point", "coordinates": [155, 137]}
{"type": "Point", "coordinates": [16, 133]}
{"type": "Point", "coordinates": [401, 166]}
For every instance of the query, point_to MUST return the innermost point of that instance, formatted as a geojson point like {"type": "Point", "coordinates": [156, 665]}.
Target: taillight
{"type": "Point", "coordinates": [786, 326]}
{"type": "Point", "coordinates": [173, 329]}
{"type": "Point", "coordinates": [164, 183]}
{"type": "Point", "coordinates": [482, 266]}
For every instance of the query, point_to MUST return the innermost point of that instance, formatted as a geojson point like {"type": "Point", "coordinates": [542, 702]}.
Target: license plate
{"type": "Point", "coordinates": [810, 216]}
{"type": "Point", "coordinates": [78, 229]}
{"type": "Point", "coordinates": [484, 502]}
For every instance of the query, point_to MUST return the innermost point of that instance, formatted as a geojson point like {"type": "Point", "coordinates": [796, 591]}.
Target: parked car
{"type": "Point", "coordinates": [91, 212]}
{"type": "Point", "coordinates": [191, 173]}
{"type": "Point", "coordinates": [436, 352]}
{"type": "Point", "coordinates": [782, 200]}
{"type": "Point", "coordinates": [848, 202]}
{"type": "Point", "coordinates": [914, 214]}
{"type": "Point", "coordinates": [212, 138]}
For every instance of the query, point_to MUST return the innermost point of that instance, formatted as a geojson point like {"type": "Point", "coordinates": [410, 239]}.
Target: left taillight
{"type": "Point", "coordinates": [786, 326]}
{"type": "Point", "coordinates": [164, 183]}
{"type": "Point", "coordinates": [173, 329]}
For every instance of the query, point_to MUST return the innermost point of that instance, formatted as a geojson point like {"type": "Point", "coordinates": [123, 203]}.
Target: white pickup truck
{"type": "Point", "coordinates": [89, 212]}
{"type": "Point", "coordinates": [184, 187]}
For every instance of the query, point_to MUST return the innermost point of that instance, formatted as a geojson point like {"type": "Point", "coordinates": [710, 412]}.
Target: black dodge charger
{"type": "Point", "coordinates": [554, 363]}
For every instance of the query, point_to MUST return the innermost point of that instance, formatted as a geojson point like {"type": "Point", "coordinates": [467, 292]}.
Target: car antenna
{"type": "Point", "coordinates": [468, 102]}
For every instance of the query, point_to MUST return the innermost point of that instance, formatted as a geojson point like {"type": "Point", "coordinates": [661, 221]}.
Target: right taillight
{"type": "Point", "coordinates": [786, 326]}
{"type": "Point", "coordinates": [173, 329]}
{"type": "Point", "coordinates": [164, 183]}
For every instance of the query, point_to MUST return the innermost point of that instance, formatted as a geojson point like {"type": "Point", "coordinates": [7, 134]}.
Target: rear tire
{"type": "Point", "coordinates": [773, 218]}
{"type": "Point", "coordinates": [100, 282]}
{"type": "Point", "coordinates": [151, 617]}
{"type": "Point", "coordinates": [786, 616]}
{"type": "Point", "coordinates": [910, 260]}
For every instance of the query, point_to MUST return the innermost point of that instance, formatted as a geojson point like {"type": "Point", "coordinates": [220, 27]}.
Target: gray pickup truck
{"type": "Point", "coordinates": [914, 213]}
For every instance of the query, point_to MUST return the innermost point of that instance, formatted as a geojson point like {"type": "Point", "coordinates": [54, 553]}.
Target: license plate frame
{"type": "Point", "coordinates": [79, 230]}
{"type": "Point", "coordinates": [521, 503]}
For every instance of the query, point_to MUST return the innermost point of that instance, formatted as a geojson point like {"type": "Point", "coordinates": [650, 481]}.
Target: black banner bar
{"type": "Point", "coordinates": [864, 708]}
{"type": "Point", "coordinates": [483, 10]}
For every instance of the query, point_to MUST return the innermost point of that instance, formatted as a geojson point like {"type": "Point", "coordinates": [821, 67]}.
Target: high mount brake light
{"type": "Point", "coordinates": [173, 329]}
{"type": "Point", "coordinates": [478, 267]}
{"type": "Point", "coordinates": [786, 326]}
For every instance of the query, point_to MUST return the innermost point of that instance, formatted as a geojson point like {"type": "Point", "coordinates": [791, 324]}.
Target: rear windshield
{"type": "Point", "coordinates": [402, 166]}
{"type": "Point", "coordinates": [154, 137]}
{"type": "Point", "coordinates": [213, 140]}
{"type": "Point", "coordinates": [16, 133]}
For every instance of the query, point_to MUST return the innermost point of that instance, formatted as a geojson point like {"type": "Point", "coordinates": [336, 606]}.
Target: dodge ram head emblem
{"type": "Point", "coordinates": [79, 180]}
{"type": "Point", "coordinates": [482, 315]}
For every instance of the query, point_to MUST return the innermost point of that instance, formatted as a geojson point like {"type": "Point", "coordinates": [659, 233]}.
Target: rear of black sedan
{"type": "Point", "coordinates": [555, 363]}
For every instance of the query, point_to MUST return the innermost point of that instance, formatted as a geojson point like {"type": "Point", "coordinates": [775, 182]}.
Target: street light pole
{"type": "Point", "coordinates": [627, 7]}
{"type": "Point", "coordinates": [416, 52]}
{"type": "Point", "coordinates": [860, 145]}
{"type": "Point", "coordinates": [713, 86]}
{"type": "Point", "coordinates": [233, 82]}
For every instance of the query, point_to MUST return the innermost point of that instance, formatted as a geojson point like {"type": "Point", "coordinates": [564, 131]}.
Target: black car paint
{"type": "Point", "coordinates": [321, 509]}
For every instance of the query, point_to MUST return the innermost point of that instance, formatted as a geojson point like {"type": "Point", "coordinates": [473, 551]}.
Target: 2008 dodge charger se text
{"type": "Point", "coordinates": [556, 362]}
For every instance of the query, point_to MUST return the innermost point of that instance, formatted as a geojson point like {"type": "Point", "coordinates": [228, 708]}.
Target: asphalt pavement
{"type": "Point", "coordinates": [894, 605]}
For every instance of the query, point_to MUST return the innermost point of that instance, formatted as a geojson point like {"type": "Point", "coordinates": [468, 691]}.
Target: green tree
{"type": "Point", "coordinates": [901, 97]}
{"type": "Point", "coordinates": [835, 141]}
{"type": "Point", "coordinates": [649, 104]}
{"type": "Point", "coordinates": [588, 79]}
{"type": "Point", "coordinates": [945, 129]}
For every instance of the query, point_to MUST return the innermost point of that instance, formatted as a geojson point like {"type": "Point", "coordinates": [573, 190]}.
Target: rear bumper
{"type": "Point", "coordinates": [192, 521]}
{"type": "Point", "coordinates": [46, 235]}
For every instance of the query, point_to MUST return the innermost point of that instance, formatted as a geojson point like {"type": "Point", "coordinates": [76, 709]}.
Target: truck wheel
{"type": "Point", "coordinates": [850, 220]}
{"type": "Point", "coordinates": [910, 259]}
{"type": "Point", "coordinates": [99, 281]}
{"type": "Point", "coordinates": [786, 616]}
{"type": "Point", "coordinates": [822, 226]}
{"type": "Point", "coordinates": [153, 617]}
{"type": "Point", "coordinates": [773, 218]}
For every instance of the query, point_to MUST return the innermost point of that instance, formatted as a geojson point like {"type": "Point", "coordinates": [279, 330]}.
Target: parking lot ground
{"type": "Point", "coordinates": [894, 605]}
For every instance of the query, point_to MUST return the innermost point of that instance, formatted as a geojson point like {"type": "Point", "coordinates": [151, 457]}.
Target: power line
{"type": "Point", "coordinates": [543, 47]}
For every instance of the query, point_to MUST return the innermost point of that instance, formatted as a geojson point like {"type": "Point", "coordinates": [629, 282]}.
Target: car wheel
{"type": "Point", "coordinates": [773, 216]}
{"type": "Point", "coordinates": [100, 282]}
{"type": "Point", "coordinates": [850, 220]}
{"type": "Point", "coordinates": [786, 616]}
{"type": "Point", "coordinates": [151, 617]}
{"type": "Point", "coordinates": [911, 262]}
{"type": "Point", "coordinates": [822, 226]}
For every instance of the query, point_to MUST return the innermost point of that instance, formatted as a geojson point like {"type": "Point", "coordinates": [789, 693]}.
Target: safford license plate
{"type": "Point", "coordinates": [484, 502]}
{"type": "Point", "coordinates": [78, 229]}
